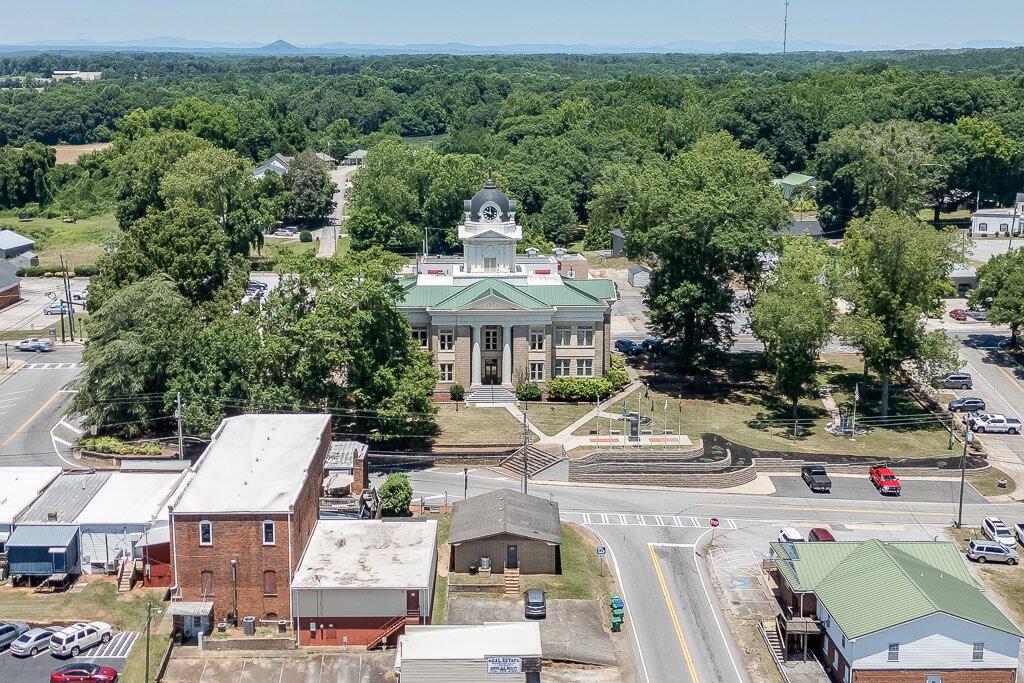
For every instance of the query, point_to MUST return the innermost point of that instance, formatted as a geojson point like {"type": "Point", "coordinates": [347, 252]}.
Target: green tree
{"type": "Point", "coordinates": [702, 225]}
{"type": "Point", "coordinates": [793, 317]}
{"type": "Point", "coordinates": [896, 267]}
{"type": "Point", "coordinates": [395, 495]}
{"type": "Point", "coordinates": [310, 188]}
{"type": "Point", "coordinates": [136, 338]}
{"type": "Point", "coordinates": [999, 280]}
{"type": "Point", "coordinates": [556, 221]}
{"type": "Point", "coordinates": [1008, 306]}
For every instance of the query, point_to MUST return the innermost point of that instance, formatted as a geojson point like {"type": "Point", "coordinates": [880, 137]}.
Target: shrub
{"type": "Point", "coordinates": [108, 444]}
{"type": "Point", "coordinates": [395, 495]}
{"type": "Point", "coordinates": [528, 391]}
{"type": "Point", "coordinates": [617, 375]}
{"type": "Point", "coordinates": [305, 236]}
{"type": "Point", "coordinates": [457, 392]}
{"type": "Point", "coordinates": [579, 388]}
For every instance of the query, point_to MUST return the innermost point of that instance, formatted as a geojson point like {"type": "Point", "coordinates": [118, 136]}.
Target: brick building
{"type": "Point", "coordinates": [892, 611]}
{"type": "Point", "coordinates": [492, 316]}
{"type": "Point", "coordinates": [242, 523]}
{"type": "Point", "coordinates": [10, 285]}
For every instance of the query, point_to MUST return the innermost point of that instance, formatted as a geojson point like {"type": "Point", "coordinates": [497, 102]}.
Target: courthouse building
{"type": "Point", "coordinates": [492, 316]}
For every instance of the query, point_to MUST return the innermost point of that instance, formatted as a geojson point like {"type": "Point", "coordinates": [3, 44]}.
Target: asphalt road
{"type": "Point", "coordinates": [672, 611]}
{"type": "Point", "coordinates": [860, 488]}
{"type": "Point", "coordinates": [32, 406]}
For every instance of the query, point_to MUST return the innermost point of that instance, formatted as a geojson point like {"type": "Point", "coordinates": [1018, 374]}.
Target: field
{"type": "Point", "coordinates": [471, 425]}
{"type": "Point", "coordinates": [81, 243]}
{"type": "Point", "coordinates": [68, 154]}
{"type": "Point", "coordinates": [552, 418]}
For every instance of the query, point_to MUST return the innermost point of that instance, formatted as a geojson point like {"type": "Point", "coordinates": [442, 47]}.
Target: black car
{"type": "Point", "coordinates": [536, 605]}
{"type": "Point", "coordinates": [817, 478]}
{"type": "Point", "coordinates": [628, 347]}
{"type": "Point", "coordinates": [968, 404]}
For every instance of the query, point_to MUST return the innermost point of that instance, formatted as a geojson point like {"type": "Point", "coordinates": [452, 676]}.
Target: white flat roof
{"type": "Point", "coordinates": [255, 463]}
{"type": "Point", "coordinates": [476, 642]}
{"type": "Point", "coordinates": [130, 498]}
{"type": "Point", "coordinates": [19, 486]}
{"type": "Point", "coordinates": [368, 554]}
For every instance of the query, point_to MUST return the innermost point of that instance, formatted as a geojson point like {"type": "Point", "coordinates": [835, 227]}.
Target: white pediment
{"type": "Point", "coordinates": [491, 302]}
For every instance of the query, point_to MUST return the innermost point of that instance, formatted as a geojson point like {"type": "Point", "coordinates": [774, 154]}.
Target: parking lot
{"type": "Point", "coordinates": [35, 669]}
{"type": "Point", "coordinates": [855, 487]}
{"type": "Point", "coordinates": [36, 294]}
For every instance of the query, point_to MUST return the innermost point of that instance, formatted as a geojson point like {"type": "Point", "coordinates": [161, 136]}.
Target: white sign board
{"type": "Point", "coordinates": [504, 665]}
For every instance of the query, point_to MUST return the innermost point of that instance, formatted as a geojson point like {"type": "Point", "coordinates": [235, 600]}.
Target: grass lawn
{"type": "Point", "coordinates": [471, 425]}
{"type": "Point", "coordinates": [597, 261]}
{"type": "Point", "coordinates": [440, 605]}
{"type": "Point", "coordinates": [96, 600]}
{"type": "Point", "coordinates": [281, 251]}
{"type": "Point", "coordinates": [985, 482]}
{"type": "Point", "coordinates": [751, 413]}
{"type": "Point", "coordinates": [552, 418]}
{"type": "Point", "coordinates": [584, 575]}
{"type": "Point", "coordinates": [1005, 581]}
{"type": "Point", "coordinates": [81, 242]}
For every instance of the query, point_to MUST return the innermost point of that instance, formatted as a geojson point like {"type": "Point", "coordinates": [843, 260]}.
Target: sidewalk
{"type": "Point", "coordinates": [7, 372]}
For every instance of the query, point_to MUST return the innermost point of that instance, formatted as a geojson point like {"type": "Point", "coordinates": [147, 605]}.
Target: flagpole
{"type": "Point", "coordinates": [856, 397]}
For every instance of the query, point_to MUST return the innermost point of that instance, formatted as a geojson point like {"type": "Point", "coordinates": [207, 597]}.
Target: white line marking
{"type": "Point", "coordinates": [693, 520]}
{"type": "Point", "coordinates": [678, 521]}
{"type": "Point", "coordinates": [672, 545]}
{"type": "Point", "coordinates": [711, 606]}
{"type": "Point", "coordinates": [640, 520]}
{"type": "Point", "coordinates": [622, 587]}
{"type": "Point", "coordinates": [68, 425]}
{"type": "Point", "coordinates": [604, 518]}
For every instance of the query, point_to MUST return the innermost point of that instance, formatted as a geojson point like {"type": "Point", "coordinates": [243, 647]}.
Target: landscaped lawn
{"type": "Point", "coordinates": [584, 575]}
{"type": "Point", "coordinates": [986, 482]}
{"type": "Point", "coordinates": [81, 242]}
{"type": "Point", "coordinates": [471, 425]}
{"type": "Point", "coordinates": [752, 414]}
{"type": "Point", "coordinates": [552, 418]}
{"type": "Point", "coordinates": [440, 608]}
{"type": "Point", "coordinates": [1005, 581]}
{"type": "Point", "coordinates": [95, 599]}
{"type": "Point", "coordinates": [281, 251]}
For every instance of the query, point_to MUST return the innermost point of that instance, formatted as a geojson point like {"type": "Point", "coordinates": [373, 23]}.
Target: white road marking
{"type": "Point", "coordinates": [711, 606]}
{"type": "Point", "coordinates": [53, 440]}
{"type": "Point", "coordinates": [672, 545]}
{"type": "Point", "coordinates": [67, 425]}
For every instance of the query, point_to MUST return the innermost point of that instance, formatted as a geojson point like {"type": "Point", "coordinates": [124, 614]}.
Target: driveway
{"type": "Point", "coordinates": [572, 631]}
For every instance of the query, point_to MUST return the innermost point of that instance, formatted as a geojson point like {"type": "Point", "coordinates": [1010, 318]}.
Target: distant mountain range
{"type": "Point", "coordinates": [281, 47]}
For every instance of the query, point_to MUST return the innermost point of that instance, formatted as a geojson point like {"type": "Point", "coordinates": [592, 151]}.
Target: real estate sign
{"type": "Point", "coordinates": [504, 665]}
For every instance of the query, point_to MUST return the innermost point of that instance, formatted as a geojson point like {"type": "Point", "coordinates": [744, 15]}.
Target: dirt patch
{"type": "Point", "coordinates": [68, 154]}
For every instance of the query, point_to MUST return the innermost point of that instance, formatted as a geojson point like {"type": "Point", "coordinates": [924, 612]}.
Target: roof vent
{"type": "Point", "coordinates": [51, 516]}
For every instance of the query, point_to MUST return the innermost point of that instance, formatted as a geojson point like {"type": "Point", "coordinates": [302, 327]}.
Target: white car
{"type": "Point", "coordinates": [80, 296]}
{"type": "Point", "coordinates": [284, 232]}
{"type": "Point", "coordinates": [71, 640]}
{"type": "Point", "coordinates": [995, 530]}
{"type": "Point", "coordinates": [790, 535]}
{"type": "Point", "coordinates": [1018, 530]}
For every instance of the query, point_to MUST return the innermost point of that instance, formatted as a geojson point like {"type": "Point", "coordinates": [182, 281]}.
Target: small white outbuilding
{"type": "Point", "coordinates": [465, 654]}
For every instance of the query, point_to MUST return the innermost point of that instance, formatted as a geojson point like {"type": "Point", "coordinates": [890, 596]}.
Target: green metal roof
{"type": "Point", "coordinates": [874, 585]}
{"type": "Point", "coordinates": [531, 297]}
{"type": "Point", "coordinates": [796, 179]}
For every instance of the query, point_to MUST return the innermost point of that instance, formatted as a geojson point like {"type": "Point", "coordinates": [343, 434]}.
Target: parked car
{"type": "Point", "coordinates": [10, 630]}
{"type": "Point", "coordinates": [790, 535]}
{"type": "Point", "coordinates": [968, 404]}
{"type": "Point", "coordinates": [628, 347]}
{"type": "Point", "coordinates": [816, 478]}
{"type": "Point", "coordinates": [958, 380]}
{"type": "Point", "coordinates": [995, 530]}
{"type": "Point", "coordinates": [977, 314]}
{"type": "Point", "coordinates": [82, 296]}
{"type": "Point", "coordinates": [885, 480]}
{"type": "Point", "coordinates": [284, 232]}
{"type": "Point", "coordinates": [83, 671]}
{"type": "Point", "coordinates": [820, 535]}
{"type": "Point", "coordinates": [958, 314]}
{"type": "Point", "coordinates": [994, 423]}
{"type": "Point", "coordinates": [71, 640]}
{"type": "Point", "coordinates": [535, 604]}
{"type": "Point", "coordinates": [34, 344]}
{"type": "Point", "coordinates": [981, 550]}
{"type": "Point", "coordinates": [32, 642]}
{"type": "Point", "coordinates": [653, 345]}
{"type": "Point", "coordinates": [58, 308]}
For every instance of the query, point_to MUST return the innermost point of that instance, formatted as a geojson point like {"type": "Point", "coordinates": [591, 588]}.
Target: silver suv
{"type": "Point", "coordinates": [958, 380]}
{"type": "Point", "coordinates": [983, 550]}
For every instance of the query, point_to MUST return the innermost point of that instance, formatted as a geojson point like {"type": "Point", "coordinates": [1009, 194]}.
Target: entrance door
{"type": "Point", "coordinates": [491, 371]}
{"type": "Point", "coordinates": [60, 562]}
{"type": "Point", "coordinates": [412, 602]}
{"type": "Point", "coordinates": [512, 557]}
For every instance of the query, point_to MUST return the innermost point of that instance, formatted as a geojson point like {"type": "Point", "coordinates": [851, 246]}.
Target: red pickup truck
{"type": "Point", "coordinates": [884, 479]}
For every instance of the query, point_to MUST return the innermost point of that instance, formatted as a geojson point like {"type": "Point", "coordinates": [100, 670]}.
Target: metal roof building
{"type": "Point", "coordinates": [508, 529]}
{"type": "Point", "coordinates": [19, 486]}
{"type": "Point", "coordinates": [64, 499]}
{"type": "Point", "coordinates": [457, 654]}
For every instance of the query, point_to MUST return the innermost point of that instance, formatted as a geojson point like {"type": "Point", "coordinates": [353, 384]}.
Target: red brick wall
{"type": "Point", "coordinates": [10, 296]}
{"type": "Point", "coordinates": [358, 630]}
{"type": "Point", "coordinates": [948, 675]}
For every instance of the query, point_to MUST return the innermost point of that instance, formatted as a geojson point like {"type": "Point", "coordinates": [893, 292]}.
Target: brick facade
{"type": "Point", "coordinates": [520, 353]}
{"type": "Point", "coordinates": [10, 296]}
{"type": "Point", "coordinates": [920, 675]}
{"type": "Point", "coordinates": [463, 354]}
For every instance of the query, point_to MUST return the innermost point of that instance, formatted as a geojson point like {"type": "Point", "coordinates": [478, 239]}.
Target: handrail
{"type": "Point", "coordinates": [386, 630]}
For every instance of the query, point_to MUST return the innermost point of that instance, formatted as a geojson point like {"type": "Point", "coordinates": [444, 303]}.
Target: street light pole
{"type": "Point", "coordinates": [968, 438]}
{"type": "Point", "coordinates": [149, 618]}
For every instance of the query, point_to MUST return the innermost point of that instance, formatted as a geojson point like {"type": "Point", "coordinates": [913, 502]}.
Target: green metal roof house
{"type": "Point", "coordinates": [910, 610]}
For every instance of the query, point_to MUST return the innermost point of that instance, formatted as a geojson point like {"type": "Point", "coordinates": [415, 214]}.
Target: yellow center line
{"type": "Point", "coordinates": [31, 419]}
{"type": "Point", "coordinates": [672, 613]}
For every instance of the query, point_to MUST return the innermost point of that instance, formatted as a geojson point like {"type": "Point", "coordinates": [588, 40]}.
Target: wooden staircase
{"type": "Point", "coordinates": [770, 633]}
{"type": "Point", "coordinates": [390, 629]}
{"type": "Point", "coordinates": [511, 577]}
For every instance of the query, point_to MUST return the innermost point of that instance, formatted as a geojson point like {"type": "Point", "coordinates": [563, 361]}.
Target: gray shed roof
{"type": "Point", "coordinates": [505, 512]}
{"type": "Point", "coordinates": [12, 240]}
{"type": "Point", "coordinates": [191, 609]}
{"type": "Point", "coordinates": [67, 496]}
{"type": "Point", "coordinates": [358, 154]}
{"type": "Point", "coordinates": [8, 275]}
{"type": "Point", "coordinates": [40, 535]}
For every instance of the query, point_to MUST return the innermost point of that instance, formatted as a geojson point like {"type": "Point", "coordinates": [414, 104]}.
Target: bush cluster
{"type": "Point", "coordinates": [528, 391]}
{"type": "Point", "coordinates": [579, 388]}
{"type": "Point", "coordinates": [617, 375]}
{"type": "Point", "coordinates": [457, 392]}
{"type": "Point", "coordinates": [108, 444]}
{"type": "Point", "coordinates": [305, 236]}
{"type": "Point", "coordinates": [87, 270]}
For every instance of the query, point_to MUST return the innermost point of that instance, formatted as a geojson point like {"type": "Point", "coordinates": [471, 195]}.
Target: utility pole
{"type": "Point", "coordinates": [785, 29]}
{"type": "Point", "coordinates": [181, 436]}
{"type": "Point", "coordinates": [7, 359]}
{"type": "Point", "coordinates": [526, 446]}
{"type": "Point", "coordinates": [149, 619]}
{"type": "Point", "coordinates": [968, 438]}
{"type": "Point", "coordinates": [465, 483]}
{"type": "Point", "coordinates": [67, 296]}
{"type": "Point", "coordinates": [853, 424]}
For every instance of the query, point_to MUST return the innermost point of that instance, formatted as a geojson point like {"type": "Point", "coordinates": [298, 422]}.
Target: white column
{"type": "Point", "coordinates": [475, 362]}
{"type": "Point", "coordinates": [506, 355]}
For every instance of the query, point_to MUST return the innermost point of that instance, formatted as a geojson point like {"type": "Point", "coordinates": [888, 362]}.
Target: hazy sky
{"type": "Point", "coordinates": [635, 22]}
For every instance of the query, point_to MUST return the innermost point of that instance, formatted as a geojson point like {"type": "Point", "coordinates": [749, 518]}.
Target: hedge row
{"type": "Point", "coordinates": [87, 270]}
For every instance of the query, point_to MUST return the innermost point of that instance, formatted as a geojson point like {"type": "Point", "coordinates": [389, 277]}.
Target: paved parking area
{"type": "Point", "coordinates": [572, 631]}
{"type": "Point", "coordinates": [35, 669]}
{"type": "Point", "coordinates": [36, 294]}
{"type": "Point", "coordinates": [860, 488]}
{"type": "Point", "coordinates": [188, 666]}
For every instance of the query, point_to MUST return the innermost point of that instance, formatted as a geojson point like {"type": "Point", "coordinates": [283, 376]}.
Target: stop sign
{"type": "Point", "coordinates": [714, 522]}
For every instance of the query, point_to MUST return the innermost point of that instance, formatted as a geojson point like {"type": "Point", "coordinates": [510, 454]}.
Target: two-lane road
{"type": "Point", "coordinates": [32, 407]}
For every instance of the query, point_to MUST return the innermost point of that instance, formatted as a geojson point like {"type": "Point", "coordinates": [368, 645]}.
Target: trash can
{"type": "Point", "coordinates": [485, 564]}
{"type": "Point", "coordinates": [249, 626]}
{"type": "Point", "coordinates": [282, 626]}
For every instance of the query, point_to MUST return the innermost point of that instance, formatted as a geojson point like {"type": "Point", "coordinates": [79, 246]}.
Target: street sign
{"type": "Point", "coordinates": [53, 332]}
{"type": "Point", "coordinates": [714, 522]}
{"type": "Point", "coordinates": [601, 550]}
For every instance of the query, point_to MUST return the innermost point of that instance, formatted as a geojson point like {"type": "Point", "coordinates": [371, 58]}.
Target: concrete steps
{"type": "Point", "coordinates": [538, 459]}
{"type": "Point", "coordinates": [490, 394]}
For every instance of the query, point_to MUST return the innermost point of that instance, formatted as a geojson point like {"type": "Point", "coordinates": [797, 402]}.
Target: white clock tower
{"type": "Point", "coordinates": [489, 234]}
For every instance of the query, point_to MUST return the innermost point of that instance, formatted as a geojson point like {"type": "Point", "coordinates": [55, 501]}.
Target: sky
{"type": "Point", "coordinates": [490, 22]}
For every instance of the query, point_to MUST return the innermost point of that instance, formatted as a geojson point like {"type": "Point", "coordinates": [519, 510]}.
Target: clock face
{"type": "Point", "coordinates": [489, 213]}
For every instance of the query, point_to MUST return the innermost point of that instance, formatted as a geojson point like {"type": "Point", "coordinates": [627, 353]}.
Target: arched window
{"type": "Point", "coordinates": [269, 583]}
